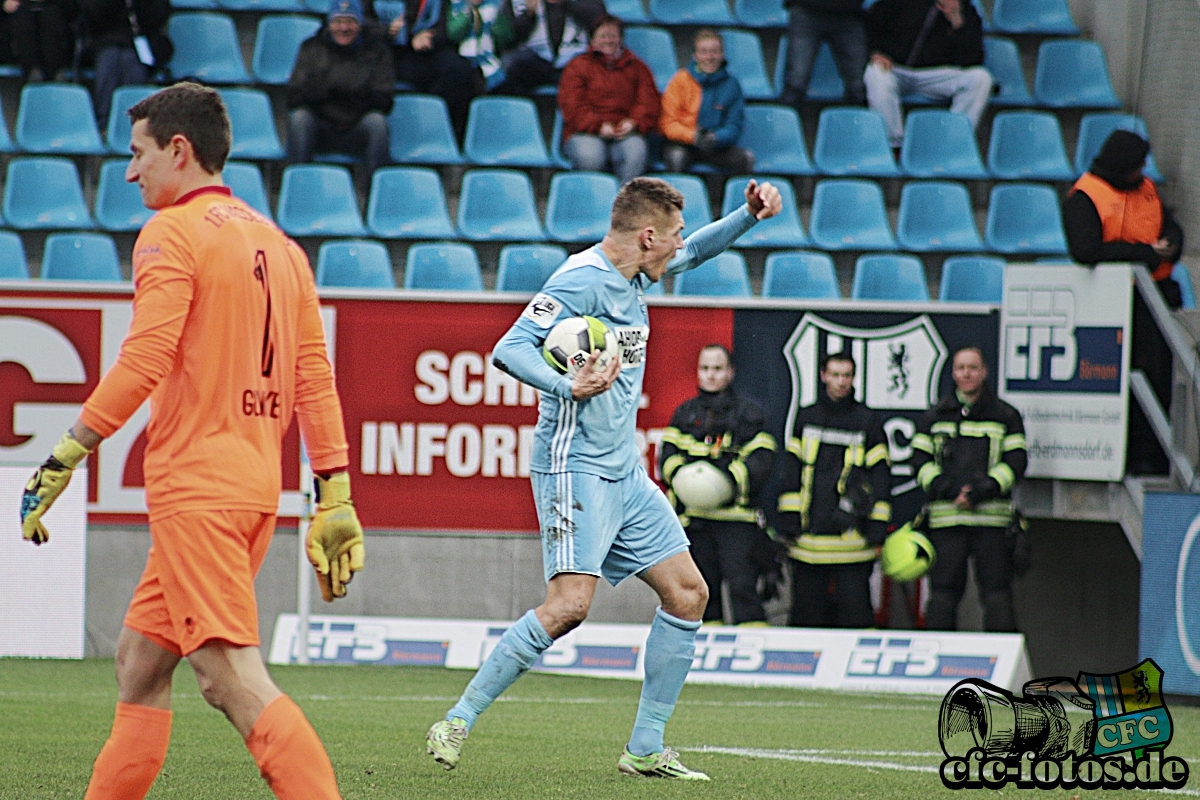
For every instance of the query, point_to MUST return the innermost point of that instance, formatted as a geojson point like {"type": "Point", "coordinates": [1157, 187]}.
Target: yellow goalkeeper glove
{"type": "Point", "coordinates": [47, 484]}
{"type": "Point", "coordinates": [335, 537]}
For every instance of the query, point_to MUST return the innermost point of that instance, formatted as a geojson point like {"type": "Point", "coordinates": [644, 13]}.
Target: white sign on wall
{"type": "Point", "coordinates": [42, 594]}
{"type": "Point", "coordinates": [1064, 352]}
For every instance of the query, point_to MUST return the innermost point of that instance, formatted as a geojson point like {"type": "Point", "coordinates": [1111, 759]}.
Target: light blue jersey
{"type": "Point", "coordinates": [596, 435]}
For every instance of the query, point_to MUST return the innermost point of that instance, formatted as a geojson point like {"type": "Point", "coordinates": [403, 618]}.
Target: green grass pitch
{"type": "Point", "coordinates": [548, 737]}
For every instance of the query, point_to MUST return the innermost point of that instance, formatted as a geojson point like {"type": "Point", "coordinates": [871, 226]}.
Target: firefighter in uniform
{"type": "Point", "coordinates": [969, 452]}
{"type": "Point", "coordinates": [725, 432]}
{"type": "Point", "coordinates": [835, 502]}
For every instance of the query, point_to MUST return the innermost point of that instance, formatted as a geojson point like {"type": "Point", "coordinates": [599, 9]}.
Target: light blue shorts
{"type": "Point", "coordinates": [595, 526]}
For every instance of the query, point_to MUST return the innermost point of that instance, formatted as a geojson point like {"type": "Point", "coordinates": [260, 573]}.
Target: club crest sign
{"type": "Point", "coordinates": [898, 368]}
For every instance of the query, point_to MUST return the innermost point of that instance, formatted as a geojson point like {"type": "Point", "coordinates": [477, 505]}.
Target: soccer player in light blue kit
{"type": "Point", "coordinates": [599, 512]}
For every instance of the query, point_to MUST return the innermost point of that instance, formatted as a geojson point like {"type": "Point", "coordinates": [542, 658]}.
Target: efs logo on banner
{"type": "Point", "coordinates": [1046, 352]}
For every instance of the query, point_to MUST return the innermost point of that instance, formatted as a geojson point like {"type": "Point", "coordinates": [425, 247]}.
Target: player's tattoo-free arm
{"type": "Point", "coordinates": [519, 353]}
{"type": "Point", "coordinates": [711, 240]}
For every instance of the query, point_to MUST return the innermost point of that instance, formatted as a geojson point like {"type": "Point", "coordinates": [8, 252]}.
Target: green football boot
{"type": "Point", "coordinates": [658, 765]}
{"type": "Point", "coordinates": [445, 741]}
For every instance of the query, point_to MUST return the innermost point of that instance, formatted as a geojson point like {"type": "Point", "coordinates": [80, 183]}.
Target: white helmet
{"type": "Point", "coordinates": [700, 486]}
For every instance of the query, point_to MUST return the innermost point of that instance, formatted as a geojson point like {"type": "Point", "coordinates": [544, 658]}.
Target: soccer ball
{"type": "Point", "coordinates": [700, 486]}
{"type": "Point", "coordinates": [907, 554]}
{"type": "Point", "coordinates": [571, 341]}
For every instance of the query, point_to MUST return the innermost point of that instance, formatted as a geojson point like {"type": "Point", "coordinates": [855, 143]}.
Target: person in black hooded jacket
{"type": "Point", "coordinates": [725, 429]}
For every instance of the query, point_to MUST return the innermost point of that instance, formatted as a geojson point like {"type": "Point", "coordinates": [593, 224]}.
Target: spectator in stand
{"type": "Point", "coordinates": [428, 60]}
{"type": "Point", "coordinates": [1113, 213]}
{"type": "Point", "coordinates": [934, 47]}
{"type": "Point", "coordinates": [609, 103]}
{"type": "Point", "coordinates": [482, 29]}
{"type": "Point", "coordinates": [551, 33]}
{"type": "Point", "coordinates": [837, 22]}
{"type": "Point", "coordinates": [42, 36]}
{"type": "Point", "coordinates": [111, 30]}
{"type": "Point", "coordinates": [340, 90]}
{"type": "Point", "coordinates": [703, 111]}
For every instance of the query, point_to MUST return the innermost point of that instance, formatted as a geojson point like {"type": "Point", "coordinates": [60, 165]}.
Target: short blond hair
{"type": "Point", "coordinates": [644, 201]}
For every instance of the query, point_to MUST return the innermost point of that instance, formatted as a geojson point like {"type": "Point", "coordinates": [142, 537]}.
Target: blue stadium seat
{"type": "Point", "coordinates": [936, 217]}
{"type": "Point", "coordinates": [972, 279]}
{"type": "Point", "coordinates": [206, 48]}
{"type": "Point", "coordinates": [744, 60]}
{"type": "Point", "coordinates": [253, 124]}
{"type": "Point", "coordinates": [1044, 17]}
{"type": "Point", "coordinates": [723, 276]}
{"type": "Point", "coordinates": [691, 12]}
{"type": "Point", "coordinates": [118, 131]}
{"type": "Point", "coordinates": [408, 203]}
{"type": "Point", "coordinates": [80, 257]}
{"type": "Point", "coordinates": [853, 141]}
{"type": "Point", "coordinates": [1003, 60]}
{"type": "Point", "coordinates": [1094, 130]}
{"type": "Point", "coordinates": [889, 277]}
{"type": "Point", "coordinates": [318, 200]}
{"type": "Point", "coordinates": [579, 206]}
{"type": "Point", "coordinates": [1184, 278]}
{"type": "Point", "coordinates": [497, 205]}
{"type": "Point", "coordinates": [419, 131]}
{"type": "Point", "coordinates": [656, 47]}
{"type": "Point", "coordinates": [388, 10]}
{"type": "Point", "coordinates": [194, 5]}
{"type": "Point", "coordinates": [849, 215]}
{"type": "Point", "coordinates": [940, 144]}
{"type": "Point", "coordinates": [320, 7]}
{"type": "Point", "coordinates": [1024, 218]}
{"type": "Point", "coordinates": [357, 263]}
{"type": "Point", "coordinates": [1028, 145]}
{"type": "Point", "coordinates": [782, 230]}
{"type": "Point", "coordinates": [824, 82]}
{"type": "Point", "coordinates": [6, 143]}
{"type": "Point", "coordinates": [13, 265]}
{"type": "Point", "coordinates": [58, 119]}
{"type": "Point", "coordinates": [276, 44]}
{"type": "Point", "coordinates": [697, 211]}
{"type": "Point", "coordinates": [44, 193]}
{"type": "Point", "coordinates": [800, 274]}
{"type": "Point", "coordinates": [246, 183]}
{"type": "Point", "coordinates": [773, 134]}
{"type": "Point", "coordinates": [445, 266]}
{"type": "Point", "coordinates": [119, 204]}
{"type": "Point", "coordinates": [631, 12]}
{"type": "Point", "coordinates": [556, 153]}
{"type": "Point", "coordinates": [526, 267]}
{"type": "Point", "coordinates": [504, 132]}
{"type": "Point", "coordinates": [1072, 73]}
{"type": "Point", "coordinates": [761, 13]}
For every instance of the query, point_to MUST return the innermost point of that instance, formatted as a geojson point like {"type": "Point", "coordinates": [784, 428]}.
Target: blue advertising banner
{"type": "Point", "coordinates": [1169, 631]}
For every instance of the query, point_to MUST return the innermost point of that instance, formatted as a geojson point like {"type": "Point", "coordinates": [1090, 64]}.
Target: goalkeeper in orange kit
{"type": "Point", "coordinates": [226, 341]}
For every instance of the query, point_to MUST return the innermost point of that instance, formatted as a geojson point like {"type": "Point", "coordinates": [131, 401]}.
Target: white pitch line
{"type": "Point", "coordinates": [793, 755]}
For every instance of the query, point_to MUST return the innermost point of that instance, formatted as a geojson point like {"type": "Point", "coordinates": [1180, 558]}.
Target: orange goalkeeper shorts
{"type": "Point", "coordinates": [198, 584]}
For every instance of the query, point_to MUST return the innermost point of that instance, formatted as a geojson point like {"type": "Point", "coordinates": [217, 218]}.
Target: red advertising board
{"type": "Point", "coordinates": [439, 439]}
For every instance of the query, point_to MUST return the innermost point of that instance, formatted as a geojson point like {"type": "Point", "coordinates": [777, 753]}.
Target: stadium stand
{"type": "Point", "coordinates": [824, 85]}
{"type": "Point", "coordinates": [940, 144]}
{"type": "Point", "coordinates": [723, 276]}
{"type": "Point", "coordinates": [631, 12]}
{"type": "Point", "coordinates": [761, 14]}
{"type": "Point", "coordinates": [1003, 60]}
{"type": "Point", "coordinates": [578, 207]}
{"type": "Point", "coordinates": [525, 267]}
{"type": "Point", "coordinates": [889, 277]}
{"type": "Point", "coordinates": [262, 6]}
{"type": "Point", "coordinates": [12, 257]}
{"type": "Point", "coordinates": [408, 203]}
{"type": "Point", "coordinates": [850, 215]}
{"type": "Point", "coordinates": [356, 263]}
{"type": "Point", "coordinates": [276, 43]}
{"type": "Point", "coordinates": [1072, 73]}
{"type": "Point", "coordinates": [744, 60]}
{"type": "Point", "coordinates": [246, 182]}
{"type": "Point", "coordinates": [318, 200]}
{"type": "Point", "coordinates": [853, 141]}
{"type": "Point", "coordinates": [445, 266]}
{"type": "Point", "coordinates": [498, 205]}
{"type": "Point", "coordinates": [1028, 145]}
{"type": "Point", "coordinates": [936, 217]}
{"type": "Point", "coordinates": [57, 119]}
{"type": "Point", "coordinates": [783, 230]}
{"type": "Point", "coordinates": [44, 194]}
{"type": "Point", "coordinates": [504, 131]}
{"type": "Point", "coordinates": [775, 137]}
{"type": "Point", "coordinates": [655, 47]}
{"type": "Point", "coordinates": [697, 210]}
{"type": "Point", "coordinates": [419, 131]}
{"type": "Point", "coordinates": [1044, 17]}
{"type": "Point", "coordinates": [80, 257]}
{"type": "Point", "coordinates": [691, 12]}
{"type": "Point", "coordinates": [1095, 128]}
{"type": "Point", "coordinates": [972, 279]}
{"type": "Point", "coordinates": [556, 154]}
{"type": "Point", "coordinates": [253, 124]}
{"type": "Point", "coordinates": [119, 206]}
{"type": "Point", "coordinates": [117, 131]}
{"type": "Point", "coordinates": [1024, 218]}
{"type": "Point", "coordinates": [206, 48]}
{"type": "Point", "coordinates": [801, 275]}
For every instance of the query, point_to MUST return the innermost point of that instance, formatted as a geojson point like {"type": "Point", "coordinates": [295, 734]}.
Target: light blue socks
{"type": "Point", "coordinates": [669, 650]}
{"type": "Point", "coordinates": [516, 652]}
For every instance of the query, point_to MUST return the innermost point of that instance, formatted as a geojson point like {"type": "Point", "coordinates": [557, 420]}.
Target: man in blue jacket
{"type": "Point", "coordinates": [703, 111]}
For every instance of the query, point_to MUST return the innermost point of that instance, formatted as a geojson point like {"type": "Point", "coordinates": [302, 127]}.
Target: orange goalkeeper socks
{"type": "Point", "coordinates": [289, 754]}
{"type": "Point", "coordinates": [134, 753]}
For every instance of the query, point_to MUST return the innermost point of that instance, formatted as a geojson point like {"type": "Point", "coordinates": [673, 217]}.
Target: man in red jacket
{"type": "Point", "coordinates": [609, 103]}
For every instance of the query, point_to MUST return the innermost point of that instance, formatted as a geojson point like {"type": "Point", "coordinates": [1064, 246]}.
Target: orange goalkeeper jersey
{"type": "Point", "coordinates": [226, 340]}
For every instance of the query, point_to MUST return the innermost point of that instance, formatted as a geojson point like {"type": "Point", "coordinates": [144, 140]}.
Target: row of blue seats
{"type": "Point", "coordinates": [1044, 17]}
